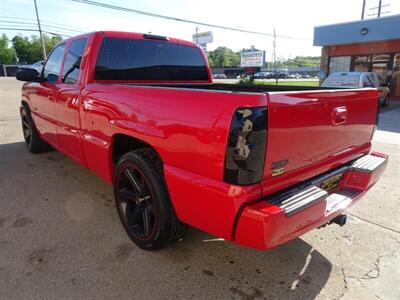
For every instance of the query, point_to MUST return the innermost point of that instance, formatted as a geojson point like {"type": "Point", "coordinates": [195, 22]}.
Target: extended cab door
{"type": "Point", "coordinates": [68, 99]}
{"type": "Point", "coordinates": [43, 99]}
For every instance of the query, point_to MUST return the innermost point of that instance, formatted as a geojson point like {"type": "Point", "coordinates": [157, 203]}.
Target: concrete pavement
{"type": "Point", "coordinates": [60, 238]}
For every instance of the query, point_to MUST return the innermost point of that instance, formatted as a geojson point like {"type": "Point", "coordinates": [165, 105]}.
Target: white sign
{"type": "Point", "coordinates": [252, 59]}
{"type": "Point", "coordinates": [202, 38]}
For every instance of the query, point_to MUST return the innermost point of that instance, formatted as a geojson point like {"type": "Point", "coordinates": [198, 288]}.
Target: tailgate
{"type": "Point", "coordinates": [311, 132]}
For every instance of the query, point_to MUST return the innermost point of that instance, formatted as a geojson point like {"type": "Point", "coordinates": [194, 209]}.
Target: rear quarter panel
{"type": "Point", "coordinates": [188, 129]}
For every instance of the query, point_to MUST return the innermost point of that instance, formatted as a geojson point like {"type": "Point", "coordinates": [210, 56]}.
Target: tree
{"type": "Point", "coordinates": [298, 61]}
{"type": "Point", "coordinates": [223, 57]}
{"type": "Point", "coordinates": [29, 50]}
{"type": "Point", "coordinates": [6, 53]}
{"type": "Point", "coordinates": [24, 51]}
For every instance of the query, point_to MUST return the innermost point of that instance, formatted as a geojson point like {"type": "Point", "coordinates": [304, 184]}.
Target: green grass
{"type": "Point", "coordinates": [290, 82]}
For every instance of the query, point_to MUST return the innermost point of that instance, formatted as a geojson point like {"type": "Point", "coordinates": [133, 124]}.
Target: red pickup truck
{"type": "Point", "coordinates": [256, 165]}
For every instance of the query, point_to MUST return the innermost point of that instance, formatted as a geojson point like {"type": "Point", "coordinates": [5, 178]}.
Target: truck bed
{"type": "Point", "coordinates": [309, 129]}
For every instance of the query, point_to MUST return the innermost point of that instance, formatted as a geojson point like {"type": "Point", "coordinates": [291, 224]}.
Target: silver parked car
{"type": "Point", "coordinates": [359, 80]}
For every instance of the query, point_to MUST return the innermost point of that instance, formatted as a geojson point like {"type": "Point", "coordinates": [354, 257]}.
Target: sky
{"type": "Point", "coordinates": [291, 18]}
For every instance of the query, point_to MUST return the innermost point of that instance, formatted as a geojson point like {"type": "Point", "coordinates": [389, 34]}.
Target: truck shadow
{"type": "Point", "coordinates": [292, 271]}
{"type": "Point", "coordinates": [200, 266]}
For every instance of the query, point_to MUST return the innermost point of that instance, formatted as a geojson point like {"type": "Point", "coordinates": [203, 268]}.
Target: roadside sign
{"type": "Point", "coordinates": [203, 38]}
{"type": "Point", "coordinates": [252, 58]}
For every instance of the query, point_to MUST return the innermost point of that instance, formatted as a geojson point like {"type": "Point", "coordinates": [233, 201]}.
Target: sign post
{"type": "Point", "coordinates": [252, 60]}
{"type": "Point", "coordinates": [202, 38]}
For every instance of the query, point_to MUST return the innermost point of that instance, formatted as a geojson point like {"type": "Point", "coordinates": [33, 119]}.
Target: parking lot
{"type": "Point", "coordinates": [60, 237]}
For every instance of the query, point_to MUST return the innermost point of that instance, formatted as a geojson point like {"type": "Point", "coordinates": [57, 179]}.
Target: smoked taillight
{"type": "Point", "coordinates": [245, 152]}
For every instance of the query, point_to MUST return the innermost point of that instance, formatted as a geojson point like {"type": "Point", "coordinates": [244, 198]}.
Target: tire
{"type": "Point", "coordinates": [34, 143]}
{"type": "Point", "coordinates": [143, 202]}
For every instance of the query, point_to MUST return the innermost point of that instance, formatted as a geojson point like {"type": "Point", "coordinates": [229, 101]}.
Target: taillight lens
{"type": "Point", "coordinates": [245, 152]}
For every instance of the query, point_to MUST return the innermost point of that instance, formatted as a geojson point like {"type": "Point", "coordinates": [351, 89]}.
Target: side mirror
{"type": "Point", "coordinates": [27, 75]}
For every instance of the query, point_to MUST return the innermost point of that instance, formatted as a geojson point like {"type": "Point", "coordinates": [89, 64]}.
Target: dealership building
{"type": "Point", "coordinates": [371, 45]}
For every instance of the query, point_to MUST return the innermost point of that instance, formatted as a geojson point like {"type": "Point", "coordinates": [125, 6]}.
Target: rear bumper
{"type": "Point", "coordinates": [288, 214]}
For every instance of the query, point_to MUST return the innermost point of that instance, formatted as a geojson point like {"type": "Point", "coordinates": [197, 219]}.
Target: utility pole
{"type": "Point", "coordinates": [379, 8]}
{"type": "Point", "coordinates": [379, 13]}
{"type": "Point", "coordinates": [363, 10]}
{"type": "Point", "coordinates": [40, 31]}
{"type": "Point", "coordinates": [197, 37]}
{"type": "Point", "coordinates": [274, 57]}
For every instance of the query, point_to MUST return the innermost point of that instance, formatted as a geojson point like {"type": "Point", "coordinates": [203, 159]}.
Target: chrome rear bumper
{"type": "Point", "coordinates": [295, 200]}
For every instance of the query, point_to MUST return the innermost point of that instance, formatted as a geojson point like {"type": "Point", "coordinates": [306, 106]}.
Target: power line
{"type": "Point", "coordinates": [126, 9]}
{"type": "Point", "coordinates": [43, 25]}
{"type": "Point", "coordinates": [32, 29]}
{"type": "Point", "coordinates": [44, 22]}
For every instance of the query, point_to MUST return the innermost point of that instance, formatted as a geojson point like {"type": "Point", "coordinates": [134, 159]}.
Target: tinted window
{"type": "Point", "coordinates": [130, 59]}
{"type": "Point", "coordinates": [52, 68]}
{"type": "Point", "coordinates": [368, 81]}
{"type": "Point", "coordinates": [72, 64]}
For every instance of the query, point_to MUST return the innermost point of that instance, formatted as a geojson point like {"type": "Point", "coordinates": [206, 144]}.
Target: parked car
{"type": "Point", "coordinates": [37, 66]}
{"type": "Point", "coordinates": [219, 76]}
{"type": "Point", "coordinates": [306, 76]}
{"type": "Point", "coordinates": [261, 75]}
{"type": "Point", "coordinates": [256, 165]}
{"type": "Point", "coordinates": [278, 75]}
{"type": "Point", "coordinates": [360, 80]}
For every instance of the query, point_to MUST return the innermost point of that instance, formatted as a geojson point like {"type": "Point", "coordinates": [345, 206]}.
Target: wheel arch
{"type": "Point", "coordinates": [122, 143]}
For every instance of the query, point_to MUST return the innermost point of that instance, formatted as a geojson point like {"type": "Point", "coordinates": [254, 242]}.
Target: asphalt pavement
{"type": "Point", "coordinates": [60, 238]}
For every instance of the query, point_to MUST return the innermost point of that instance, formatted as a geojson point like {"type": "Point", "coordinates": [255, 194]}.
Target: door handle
{"type": "Point", "coordinates": [339, 115]}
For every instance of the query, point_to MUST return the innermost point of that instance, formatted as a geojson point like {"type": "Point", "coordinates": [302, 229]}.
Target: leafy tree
{"type": "Point", "coordinates": [51, 41]}
{"type": "Point", "coordinates": [29, 50]}
{"type": "Point", "coordinates": [24, 51]}
{"type": "Point", "coordinates": [298, 61]}
{"type": "Point", "coordinates": [6, 53]}
{"type": "Point", "coordinates": [223, 57]}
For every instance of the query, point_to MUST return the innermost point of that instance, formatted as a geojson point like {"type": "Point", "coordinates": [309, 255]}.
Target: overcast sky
{"type": "Point", "coordinates": [293, 18]}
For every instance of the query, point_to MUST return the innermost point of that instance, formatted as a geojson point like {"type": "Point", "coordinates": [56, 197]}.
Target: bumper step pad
{"type": "Point", "coordinates": [368, 163]}
{"type": "Point", "coordinates": [300, 200]}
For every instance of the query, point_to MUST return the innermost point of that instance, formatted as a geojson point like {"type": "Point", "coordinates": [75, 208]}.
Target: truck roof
{"type": "Point", "coordinates": [135, 35]}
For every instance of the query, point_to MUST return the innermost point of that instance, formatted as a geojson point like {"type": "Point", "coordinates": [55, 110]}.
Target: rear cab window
{"type": "Point", "coordinates": [128, 59]}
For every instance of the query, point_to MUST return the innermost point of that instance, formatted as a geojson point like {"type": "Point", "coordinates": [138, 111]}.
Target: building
{"type": "Point", "coordinates": [371, 45]}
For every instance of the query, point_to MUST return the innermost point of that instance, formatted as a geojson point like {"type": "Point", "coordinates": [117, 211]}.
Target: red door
{"type": "Point", "coordinates": [46, 92]}
{"type": "Point", "coordinates": [67, 101]}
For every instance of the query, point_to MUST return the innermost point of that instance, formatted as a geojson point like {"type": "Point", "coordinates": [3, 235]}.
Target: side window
{"type": "Point", "coordinates": [51, 69]}
{"type": "Point", "coordinates": [72, 64]}
{"type": "Point", "coordinates": [367, 81]}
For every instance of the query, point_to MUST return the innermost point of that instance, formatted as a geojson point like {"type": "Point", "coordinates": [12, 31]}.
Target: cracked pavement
{"type": "Point", "coordinates": [60, 238]}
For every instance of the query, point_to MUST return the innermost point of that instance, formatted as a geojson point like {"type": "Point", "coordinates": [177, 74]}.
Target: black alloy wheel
{"type": "Point", "coordinates": [143, 201]}
{"type": "Point", "coordinates": [135, 202]}
{"type": "Point", "coordinates": [33, 140]}
{"type": "Point", "coordinates": [26, 127]}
